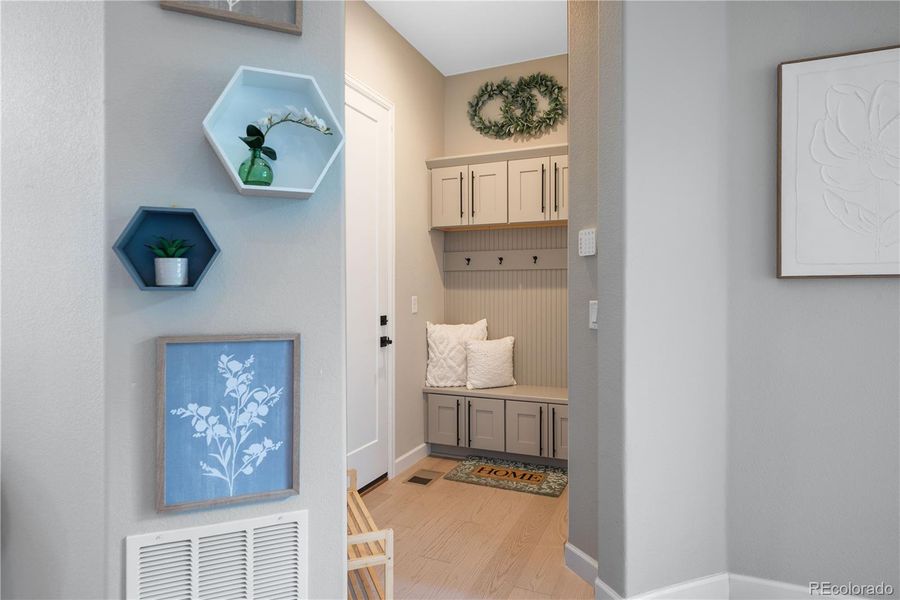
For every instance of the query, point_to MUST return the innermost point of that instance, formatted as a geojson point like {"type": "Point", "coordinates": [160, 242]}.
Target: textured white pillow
{"type": "Point", "coordinates": [490, 363]}
{"type": "Point", "coordinates": [447, 352]}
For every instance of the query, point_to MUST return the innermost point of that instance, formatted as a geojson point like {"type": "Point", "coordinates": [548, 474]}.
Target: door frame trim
{"type": "Point", "coordinates": [380, 100]}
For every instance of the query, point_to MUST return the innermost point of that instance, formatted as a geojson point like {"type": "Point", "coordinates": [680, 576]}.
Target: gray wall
{"type": "Point", "coordinates": [675, 292]}
{"type": "Point", "coordinates": [382, 59]}
{"type": "Point", "coordinates": [582, 343]}
{"type": "Point", "coordinates": [814, 398]}
{"type": "Point", "coordinates": [281, 268]}
{"type": "Point", "coordinates": [53, 263]}
{"type": "Point", "coordinates": [79, 362]}
{"type": "Point", "coordinates": [802, 376]}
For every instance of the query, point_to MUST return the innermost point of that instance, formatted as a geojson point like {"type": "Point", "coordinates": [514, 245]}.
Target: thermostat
{"type": "Point", "coordinates": [587, 242]}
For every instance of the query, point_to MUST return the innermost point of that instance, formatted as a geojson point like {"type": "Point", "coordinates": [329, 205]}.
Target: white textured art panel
{"type": "Point", "coordinates": [840, 165]}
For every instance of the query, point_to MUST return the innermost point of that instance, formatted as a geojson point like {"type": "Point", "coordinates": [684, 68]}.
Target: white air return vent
{"type": "Point", "coordinates": [252, 559]}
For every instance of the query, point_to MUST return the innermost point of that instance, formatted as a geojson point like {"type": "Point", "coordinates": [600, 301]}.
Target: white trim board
{"type": "Point", "coordinates": [579, 562]}
{"type": "Point", "coordinates": [721, 586]}
{"type": "Point", "coordinates": [406, 461]}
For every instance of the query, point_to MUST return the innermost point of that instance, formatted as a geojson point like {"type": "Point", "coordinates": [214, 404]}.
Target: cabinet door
{"type": "Point", "coordinates": [529, 187]}
{"type": "Point", "coordinates": [445, 419]}
{"type": "Point", "coordinates": [559, 188]}
{"type": "Point", "coordinates": [449, 196]}
{"type": "Point", "coordinates": [486, 424]}
{"type": "Point", "coordinates": [526, 428]}
{"type": "Point", "coordinates": [559, 444]}
{"type": "Point", "coordinates": [487, 189]}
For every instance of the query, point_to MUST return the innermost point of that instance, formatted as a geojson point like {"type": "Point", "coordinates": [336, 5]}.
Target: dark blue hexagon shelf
{"type": "Point", "coordinates": [146, 225]}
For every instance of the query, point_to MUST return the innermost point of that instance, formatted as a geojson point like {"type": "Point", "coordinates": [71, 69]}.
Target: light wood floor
{"type": "Point", "coordinates": [461, 541]}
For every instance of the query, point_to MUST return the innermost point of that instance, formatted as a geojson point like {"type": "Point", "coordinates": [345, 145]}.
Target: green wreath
{"type": "Point", "coordinates": [519, 115]}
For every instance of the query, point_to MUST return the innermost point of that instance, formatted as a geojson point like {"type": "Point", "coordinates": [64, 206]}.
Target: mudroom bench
{"type": "Point", "coordinates": [526, 420]}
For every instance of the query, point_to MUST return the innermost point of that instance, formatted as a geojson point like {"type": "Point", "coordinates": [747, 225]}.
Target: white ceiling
{"type": "Point", "coordinates": [458, 36]}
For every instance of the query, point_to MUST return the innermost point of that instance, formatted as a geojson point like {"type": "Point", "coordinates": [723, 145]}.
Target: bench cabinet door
{"type": "Point", "coordinates": [526, 428]}
{"type": "Point", "coordinates": [559, 443]}
{"type": "Point", "coordinates": [486, 424]}
{"type": "Point", "coordinates": [445, 419]}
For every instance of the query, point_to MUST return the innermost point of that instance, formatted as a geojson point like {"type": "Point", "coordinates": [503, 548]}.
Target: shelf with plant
{"type": "Point", "coordinates": [179, 259]}
{"type": "Point", "coordinates": [304, 154]}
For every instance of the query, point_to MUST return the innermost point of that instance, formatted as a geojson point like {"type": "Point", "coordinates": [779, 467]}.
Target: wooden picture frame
{"type": "Point", "coordinates": [835, 214]}
{"type": "Point", "coordinates": [191, 389]}
{"type": "Point", "coordinates": [208, 9]}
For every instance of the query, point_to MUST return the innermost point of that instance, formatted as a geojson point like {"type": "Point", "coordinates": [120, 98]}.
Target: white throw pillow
{"type": "Point", "coordinates": [490, 363]}
{"type": "Point", "coordinates": [447, 352]}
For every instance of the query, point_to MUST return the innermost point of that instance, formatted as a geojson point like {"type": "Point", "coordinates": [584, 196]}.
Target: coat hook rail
{"type": "Point", "coordinates": [510, 260]}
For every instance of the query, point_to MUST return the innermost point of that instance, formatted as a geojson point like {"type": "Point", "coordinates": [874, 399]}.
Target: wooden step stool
{"type": "Point", "coordinates": [367, 547]}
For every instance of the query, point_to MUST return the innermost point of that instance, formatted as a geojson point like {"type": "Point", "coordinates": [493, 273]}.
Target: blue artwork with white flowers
{"type": "Point", "coordinates": [229, 419]}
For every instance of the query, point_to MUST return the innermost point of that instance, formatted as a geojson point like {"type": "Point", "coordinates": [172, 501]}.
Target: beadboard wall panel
{"type": "Point", "coordinates": [529, 305]}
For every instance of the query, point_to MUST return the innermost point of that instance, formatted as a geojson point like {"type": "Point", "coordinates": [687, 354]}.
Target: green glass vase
{"type": "Point", "coordinates": [255, 170]}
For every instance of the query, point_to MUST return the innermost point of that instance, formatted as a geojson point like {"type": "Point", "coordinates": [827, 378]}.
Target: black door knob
{"type": "Point", "coordinates": [386, 341]}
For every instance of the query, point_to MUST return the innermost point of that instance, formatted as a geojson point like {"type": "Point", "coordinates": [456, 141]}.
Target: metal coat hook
{"type": "Point", "coordinates": [534, 258]}
{"type": "Point", "coordinates": [468, 260]}
{"type": "Point", "coordinates": [500, 258]}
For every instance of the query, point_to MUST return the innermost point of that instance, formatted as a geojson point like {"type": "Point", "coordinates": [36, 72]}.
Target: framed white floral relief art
{"type": "Point", "coordinates": [839, 165]}
{"type": "Point", "coordinates": [228, 419]}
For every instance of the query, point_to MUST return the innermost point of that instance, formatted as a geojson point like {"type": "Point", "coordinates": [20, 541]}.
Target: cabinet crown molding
{"type": "Point", "coordinates": [501, 155]}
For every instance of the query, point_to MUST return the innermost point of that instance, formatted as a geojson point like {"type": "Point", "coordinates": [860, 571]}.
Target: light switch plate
{"type": "Point", "coordinates": [414, 305]}
{"type": "Point", "coordinates": [592, 314]}
{"type": "Point", "coordinates": [587, 242]}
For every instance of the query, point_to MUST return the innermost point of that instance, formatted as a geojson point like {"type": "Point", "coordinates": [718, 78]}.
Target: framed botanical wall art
{"type": "Point", "coordinates": [228, 419]}
{"type": "Point", "coordinates": [278, 15]}
{"type": "Point", "coordinates": [839, 165]}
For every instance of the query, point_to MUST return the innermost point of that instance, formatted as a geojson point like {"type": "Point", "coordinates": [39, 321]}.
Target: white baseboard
{"type": "Point", "coordinates": [604, 592]}
{"type": "Point", "coordinates": [744, 587]}
{"type": "Point", "coordinates": [721, 586]}
{"type": "Point", "coordinates": [712, 587]}
{"type": "Point", "coordinates": [404, 462]}
{"type": "Point", "coordinates": [581, 563]}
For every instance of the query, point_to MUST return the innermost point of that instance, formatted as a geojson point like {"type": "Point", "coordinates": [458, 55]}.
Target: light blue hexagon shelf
{"type": "Point", "coordinates": [304, 155]}
{"type": "Point", "coordinates": [146, 225]}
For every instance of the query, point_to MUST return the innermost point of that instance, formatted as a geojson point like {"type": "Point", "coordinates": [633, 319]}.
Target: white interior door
{"type": "Point", "coordinates": [370, 279]}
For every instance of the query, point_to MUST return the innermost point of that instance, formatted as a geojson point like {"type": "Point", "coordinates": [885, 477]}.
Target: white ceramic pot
{"type": "Point", "coordinates": [171, 272]}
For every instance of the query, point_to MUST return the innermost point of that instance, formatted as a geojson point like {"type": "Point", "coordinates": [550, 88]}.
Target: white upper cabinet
{"type": "Point", "coordinates": [559, 188]}
{"type": "Point", "coordinates": [450, 196]}
{"type": "Point", "coordinates": [501, 189]}
{"type": "Point", "coordinates": [529, 190]}
{"type": "Point", "coordinates": [487, 188]}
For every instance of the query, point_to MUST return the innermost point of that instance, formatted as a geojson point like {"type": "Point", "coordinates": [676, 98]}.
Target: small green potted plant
{"type": "Point", "coordinates": [170, 264]}
{"type": "Point", "coordinates": [255, 170]}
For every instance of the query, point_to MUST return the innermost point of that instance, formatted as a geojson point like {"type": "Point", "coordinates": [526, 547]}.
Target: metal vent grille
{"type": "Point", "coordinates": [223, 566]}
{"type": "Point", "coordinates": [276, 562]}
{"type": "Point", "coordinates": [165, 571]}
{"type": "Point", "coordinates": [252, 559]}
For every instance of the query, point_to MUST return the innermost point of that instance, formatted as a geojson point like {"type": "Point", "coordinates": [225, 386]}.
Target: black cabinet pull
{"type": "Point", "coordinates": [540, 430]}
{"type": "Point", "coordinates": [472, 199]}
{"type": "Point", "coordinates": [462, 212]}
{"type": "Point", "coordinates": [553, 429]}
{"type": "Point", "coordinates": [543, 189]}
{"type": "Point", "coordinates": [469, 422]}
{"type": "Point", "coordinates": [457, 422]}
{"type": "Point", "coordinates": [555, 187]}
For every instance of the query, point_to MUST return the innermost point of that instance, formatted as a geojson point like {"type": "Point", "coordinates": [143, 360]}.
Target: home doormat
{"type": "Point", "coordinates": [511, 475]}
